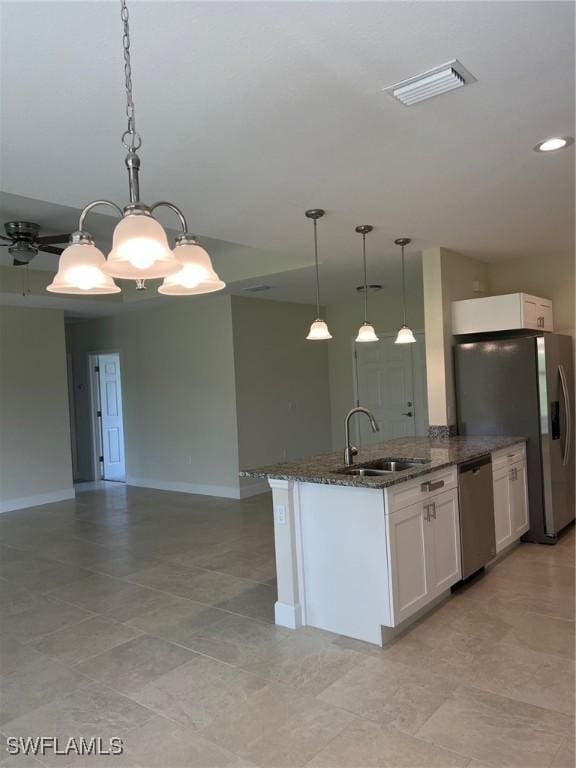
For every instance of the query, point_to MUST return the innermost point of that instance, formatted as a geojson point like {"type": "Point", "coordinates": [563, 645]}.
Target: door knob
{"type": "Point", "coordinates": [408, 413]}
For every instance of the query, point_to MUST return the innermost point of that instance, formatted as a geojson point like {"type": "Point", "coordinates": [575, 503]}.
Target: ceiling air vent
{"type": "Point", "coordinates": [432, 83]}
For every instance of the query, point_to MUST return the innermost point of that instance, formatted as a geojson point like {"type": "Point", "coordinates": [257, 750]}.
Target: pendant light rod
{"type": "Point", "coordinates": [315, 214]}
{"type": "Point", "coordinates": [363, 230]}
{"type": "Point", "coordinates": [403, 242]}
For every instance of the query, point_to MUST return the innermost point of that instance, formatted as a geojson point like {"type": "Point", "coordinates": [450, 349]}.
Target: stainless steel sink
{"type": "Point", "coordinates": [365, 472]}
{"type": "Point", "coordinates": [382, 467]}
{"type": "Point", "coordinates": [394, 465]}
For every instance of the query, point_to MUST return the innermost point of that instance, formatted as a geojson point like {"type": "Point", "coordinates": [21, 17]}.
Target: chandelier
{"type": "Point", "coordinates": [140, 248]}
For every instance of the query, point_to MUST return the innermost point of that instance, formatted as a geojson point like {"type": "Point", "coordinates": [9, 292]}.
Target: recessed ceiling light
{"type": "Point", "coordinates": [553, 144]}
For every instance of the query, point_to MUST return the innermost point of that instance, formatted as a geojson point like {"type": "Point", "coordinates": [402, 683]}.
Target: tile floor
{"type": "Point", "coordinates": [148, 616]}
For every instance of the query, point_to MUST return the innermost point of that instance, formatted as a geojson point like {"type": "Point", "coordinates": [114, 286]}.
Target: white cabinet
{"type": "Point", "coordinates": [424, 552]}
{"type": "Point", "coordinates": [502, 520]}
{"type": "Point", "coordinates": [444, 532]}
{"type": "Point", "coordinates": [519, 523]}
{"type": "Point", "coordinates": [409, 554]}
{"type": "Point", "coordinates": [511, 311]}
{"type": "Point", "coordinates": [510, 496]}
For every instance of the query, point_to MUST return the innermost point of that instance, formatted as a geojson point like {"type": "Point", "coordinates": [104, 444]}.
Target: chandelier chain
{"type": "Point", "coordinates": [134, 137]}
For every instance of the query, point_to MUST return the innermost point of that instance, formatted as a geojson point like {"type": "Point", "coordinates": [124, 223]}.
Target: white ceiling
{"type": "Point", "coordinates": [252, 112]}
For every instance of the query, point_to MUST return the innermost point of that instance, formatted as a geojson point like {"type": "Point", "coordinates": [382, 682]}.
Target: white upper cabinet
{"type": "Point", "coordinates": [512, 311]}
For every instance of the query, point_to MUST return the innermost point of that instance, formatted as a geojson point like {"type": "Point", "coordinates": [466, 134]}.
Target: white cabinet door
{"type": "Point", "coordinates": [545, 321]}
{"type": "Point", "coordinates": [529, 312]}
{"type": "Point", "coordinates": [444, 542]}
{"type": "Point", "coordinates": [501, 483]}
{"type": "Point", "coordinates": [409, 569]}
{"type": "Point", "coordinates": [518, 500]}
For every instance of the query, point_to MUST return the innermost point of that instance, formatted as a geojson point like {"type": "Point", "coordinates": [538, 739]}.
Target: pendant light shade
{"type": "Point", "coordinates": [140, 249]}
{"type": "Point", "coordinates": [319, 329]}
{"type": "Point", "coordinates": [196, 274]}
{"type": "Point", "coordinates": [405, 335]}
{"type": "Point", "coordinates": [80, 270]}
{"type": "Point", "coordinates": [366, 331]}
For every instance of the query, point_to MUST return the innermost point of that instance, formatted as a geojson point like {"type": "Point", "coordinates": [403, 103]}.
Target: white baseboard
{"type": "Point", "coordinates": [288, 615]}
{"type": "Point", "coordinates": [224, 491]}
{"type": "Point", "coordinates": [10, 505]}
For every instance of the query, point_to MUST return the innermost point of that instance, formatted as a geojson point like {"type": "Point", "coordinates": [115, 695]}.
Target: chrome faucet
{"type": "Point", "coordinates": [350, 451]}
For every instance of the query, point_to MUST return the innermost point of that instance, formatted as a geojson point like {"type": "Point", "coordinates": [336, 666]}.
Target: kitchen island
{"type": "Point", "coordinates": [364, 552]}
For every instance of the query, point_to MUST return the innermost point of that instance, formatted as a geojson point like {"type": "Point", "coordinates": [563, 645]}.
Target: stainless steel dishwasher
{"type": "Point", "coordinates": [476, 501]}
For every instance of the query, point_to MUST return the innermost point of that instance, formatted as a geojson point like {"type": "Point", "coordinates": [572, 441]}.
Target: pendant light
{"type": "Point", "coordinates": [405, 335]}
{"type": "Point", "coordinates": [319, 329]}
{"type": "Point", "coordinates": [366, 331]}
{"type": "Point", "coordinates": [140, 248]}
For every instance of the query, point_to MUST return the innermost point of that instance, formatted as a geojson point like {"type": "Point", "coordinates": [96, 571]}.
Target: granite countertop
{"type": "Point", "coordinates": [323, 468]}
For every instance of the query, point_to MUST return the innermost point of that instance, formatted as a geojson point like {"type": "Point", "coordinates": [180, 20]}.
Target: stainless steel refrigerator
{"type": "Point", "coordinates": [524, 385]}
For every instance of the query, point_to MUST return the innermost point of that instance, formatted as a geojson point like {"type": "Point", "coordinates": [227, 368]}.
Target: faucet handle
{"type": "Point", "coordinates": [353, 450]}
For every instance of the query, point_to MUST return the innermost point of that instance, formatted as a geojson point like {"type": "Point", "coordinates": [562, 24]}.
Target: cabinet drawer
{"type": "Point", "coordinates": [507, 456]}
{"type": "Point", "coordinates": [422, 488]}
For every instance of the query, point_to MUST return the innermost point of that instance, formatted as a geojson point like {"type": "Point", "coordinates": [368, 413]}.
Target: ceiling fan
{"type": "Point", "coordinates": [24, 241]}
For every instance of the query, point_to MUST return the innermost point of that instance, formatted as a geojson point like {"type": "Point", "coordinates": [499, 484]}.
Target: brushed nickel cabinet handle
{"type": "Point", "coordinates": [431, 486]}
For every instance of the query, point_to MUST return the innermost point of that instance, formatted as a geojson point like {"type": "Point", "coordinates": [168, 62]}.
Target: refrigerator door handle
{"type": "Point", "coordinates": [568, 415]}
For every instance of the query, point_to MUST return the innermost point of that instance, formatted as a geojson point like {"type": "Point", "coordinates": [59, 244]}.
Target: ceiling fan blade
{"type": "Point", "coordinates": [49, 249]}
{"type": "Point", "coordinates": [18, 263]}
{"type": "Point", "coordinates": [5, 245]}
{"type": "Point", "coordinates": [50, 239]}
{"type": "Point", "coordinates": [3, 237]}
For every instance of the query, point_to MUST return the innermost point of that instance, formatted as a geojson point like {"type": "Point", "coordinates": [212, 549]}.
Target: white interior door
{"type": "Point", "coordinates": [111, 425]}
{"type": "Point", "coordinates": [385, 384]}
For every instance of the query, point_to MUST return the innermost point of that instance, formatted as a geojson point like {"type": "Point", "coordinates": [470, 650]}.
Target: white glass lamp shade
{"type": "Point", "coordinates": [140, 250]}
{"type": "Point", "coordinates": [196, 274]}
{"type": "Point", "coordinates": [405, 336]}
{"type": "Point", "coordinates": [366, 333]}
{"type": "Point", "coordinates": [80, 271]}
{"type": "Point", "coordinates": [318, 331]}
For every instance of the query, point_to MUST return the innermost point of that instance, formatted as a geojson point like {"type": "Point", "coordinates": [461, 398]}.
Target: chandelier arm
{"type": "Point", "coordinates": [177, 211]}
{"type": "Point", "coordinates": [90, 206]}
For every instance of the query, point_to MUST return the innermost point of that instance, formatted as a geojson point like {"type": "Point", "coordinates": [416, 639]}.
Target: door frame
{"type": "Point", "coordinates": [386, 335]}
{"type": "Point", "coordinates": [95, 425]}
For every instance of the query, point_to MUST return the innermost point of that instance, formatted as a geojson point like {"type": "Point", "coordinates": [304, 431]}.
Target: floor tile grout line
{"type": "Point", "coordinates": [162, 592]}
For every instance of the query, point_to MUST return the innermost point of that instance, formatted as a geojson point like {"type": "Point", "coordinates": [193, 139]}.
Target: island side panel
{"type": "Point", "coordinates": [344, 560]}
{"type": "Point", "coordinates": [288, 610]}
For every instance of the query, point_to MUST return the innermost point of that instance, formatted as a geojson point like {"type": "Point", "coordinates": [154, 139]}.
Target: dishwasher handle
{"type": "Point", "coordinates": [474, 466]}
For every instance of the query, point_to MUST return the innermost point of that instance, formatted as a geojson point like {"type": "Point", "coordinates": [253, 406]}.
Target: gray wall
{"type": "Point", "coordinates": [282, 383]}
{"type": "Point", "coordinates": [35, 462]}
{"type": "Point", "coordinates": [178, 392]}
